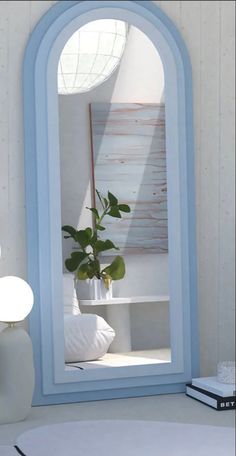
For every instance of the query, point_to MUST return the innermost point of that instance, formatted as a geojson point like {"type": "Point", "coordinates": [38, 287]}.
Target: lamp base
{"type": "Point", "coordinates": [16, 375]}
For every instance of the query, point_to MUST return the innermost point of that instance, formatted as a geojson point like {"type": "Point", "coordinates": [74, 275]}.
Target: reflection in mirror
{"type": "Point", "coordinates": [112, 138]}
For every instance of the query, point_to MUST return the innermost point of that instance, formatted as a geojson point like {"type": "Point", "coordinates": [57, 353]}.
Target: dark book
{"type": "Point", "coordinates": [211, 399]}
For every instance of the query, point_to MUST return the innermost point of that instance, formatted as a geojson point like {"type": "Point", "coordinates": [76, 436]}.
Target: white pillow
{"type": "Point", "coordinates": [71, 304]}
{"type": "Point", "coordinates": [87, 337]}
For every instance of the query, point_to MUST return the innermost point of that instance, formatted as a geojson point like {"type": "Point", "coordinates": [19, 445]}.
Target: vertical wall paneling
{"type": "Point", "coordinates": [226, 195]}
{"type": "Point", "coordinates": [4, 134]}
{"type": "Point", "coordinates": [14, 33]}
{"type": "Point", "coordinates": [4, 124]}
{"type": "Point", "coordinates": [17, 38]}
{"type": "Point", "coordinates": [208, 28]}
{"type": "Point", "coordinates": [209, 183]}
{"type": "Point", "coordinates": [172, 9]}
{"type": "Point", "coordinates": [37, 10]}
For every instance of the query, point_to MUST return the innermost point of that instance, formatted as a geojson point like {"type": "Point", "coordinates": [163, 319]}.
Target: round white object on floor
{"type": "Point", "coordinates": [127, 438]}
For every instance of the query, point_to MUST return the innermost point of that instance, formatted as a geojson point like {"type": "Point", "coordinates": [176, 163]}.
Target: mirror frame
{"type": "Point", "coordinates": [42, 175]}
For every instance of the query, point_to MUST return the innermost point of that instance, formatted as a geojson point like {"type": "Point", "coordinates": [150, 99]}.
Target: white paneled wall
{"type": "Point", "coordinates": [208, 30]}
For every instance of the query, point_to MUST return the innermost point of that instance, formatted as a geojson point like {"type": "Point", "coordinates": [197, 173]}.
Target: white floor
{"type": "Point", "coordinates": [173, 408]}
{"type": "Point", "coordinates": [132, 358]}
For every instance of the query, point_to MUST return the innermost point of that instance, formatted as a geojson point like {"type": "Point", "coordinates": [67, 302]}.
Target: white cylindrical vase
{"type": "Point", "coordinates": [100, 291]}
{"type": "Point", "coordinates": [16, 374]}
{"type": "Point", "coordinates": [93, 289]}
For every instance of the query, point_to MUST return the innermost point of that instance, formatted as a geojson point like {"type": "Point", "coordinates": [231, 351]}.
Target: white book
{"type": "Point", "coordinates": [211, 384]}
{"type": "Point", "coordinates": [201, 397]}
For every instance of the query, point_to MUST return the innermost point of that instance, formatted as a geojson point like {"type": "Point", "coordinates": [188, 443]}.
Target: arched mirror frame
{"type": "Point", "coordinates": [42, 172]}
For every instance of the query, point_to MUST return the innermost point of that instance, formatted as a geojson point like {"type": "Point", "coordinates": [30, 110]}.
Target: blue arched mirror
{"type": "Point", "coordinates": [108, 106]}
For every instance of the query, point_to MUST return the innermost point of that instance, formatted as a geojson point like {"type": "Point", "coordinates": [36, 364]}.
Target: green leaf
{"type": "Point", "coordinates": [79, 256]}
{"type": "Point", "coordinates": [116, 269]}
{"type": "Point", "coordinates": [124, 208]}
{"type": "Point", "coordinates": [82, 273]}
{"type": "Point", "coordinates": [70, 265]}
{"type": "Point", "coordinates": [100, 227]}
{"type": "Point", "coordinates": [94, 268]}
{"type": "Point", "coordinates": [114, 212]}
{"type": "Point", "coordinates": [69, 229]}
{"type": "Point", "coordinates": [94, 211]}
{"type": "Point", "coordinates": [83, 238]}
{"type": "Point", "coordinates": [90, 272]}
{"type": "Point", "coordinates": [89, 232]}
{"type": "Point", "coordinates": [75, 260]}
{"type": "Point", "coordinates": [112, 199]}
{"type": "Point", "coordinates": [106, 202]}
{"type": "Point", "coordinates": [101, 246]}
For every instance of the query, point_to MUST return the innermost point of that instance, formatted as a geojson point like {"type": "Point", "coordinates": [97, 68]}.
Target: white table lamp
{"type": "Point", "coordinates": [16, 354]}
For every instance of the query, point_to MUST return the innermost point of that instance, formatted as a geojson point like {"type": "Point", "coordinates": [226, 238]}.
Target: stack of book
{"type": "Point", "coordinates": [209, 390]}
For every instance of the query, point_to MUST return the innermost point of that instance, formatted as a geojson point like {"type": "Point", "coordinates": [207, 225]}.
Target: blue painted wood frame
{"type": "Point", "coordinates": [42, 174]}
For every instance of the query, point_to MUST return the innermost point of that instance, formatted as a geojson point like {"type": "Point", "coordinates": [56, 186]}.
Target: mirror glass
{"type": "Point", "coordinates": [111, 92]}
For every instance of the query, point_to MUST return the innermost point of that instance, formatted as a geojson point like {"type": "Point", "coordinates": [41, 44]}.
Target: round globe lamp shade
{"type": "Point", "coordinates": [16, 299]}
{"type": "Point", "coordinates": [91, 55]}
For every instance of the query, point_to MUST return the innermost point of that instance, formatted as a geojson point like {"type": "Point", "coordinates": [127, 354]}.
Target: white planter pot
{"type": "Point", "coordinates": [93, 289]}
{"type": "Point", "coordinates": [100, 291]}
